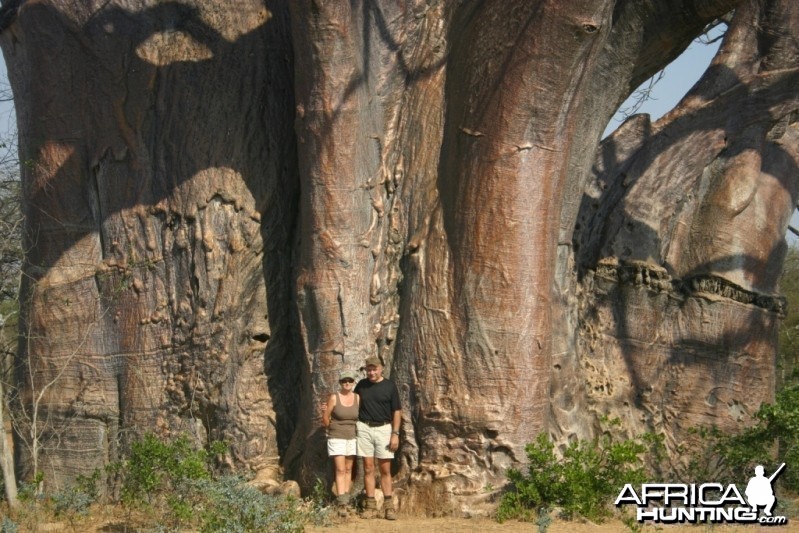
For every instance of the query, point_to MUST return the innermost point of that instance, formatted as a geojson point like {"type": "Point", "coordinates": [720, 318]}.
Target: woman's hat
{"type": "Point", "coordinates": [347, 374]}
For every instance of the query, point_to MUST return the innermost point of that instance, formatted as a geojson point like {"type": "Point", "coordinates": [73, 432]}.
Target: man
{"type": "Point", "coordinates": [378, 434]}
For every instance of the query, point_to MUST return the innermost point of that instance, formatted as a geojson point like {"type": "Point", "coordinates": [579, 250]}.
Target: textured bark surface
{"type": "Point", "coordinates": [679, 245]}
{"type": "Point", "coordinates": [160, 185]}
{"type": "Point", "coordinates": [229, 205]}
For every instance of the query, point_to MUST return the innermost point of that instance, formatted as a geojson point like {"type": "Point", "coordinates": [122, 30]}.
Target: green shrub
{"type": "Point", "coordinates": [176, 484]}
{"type": "Point", "coordinates": [320, 495]}
{"type": "Point", "coordinates": [774, 439]}
{"type": "Point", "coordinates": [584, 482]}
{"type": "Point", "coordinates": [157, 477]}
{"type": "Point", "coordinates": [8, 526]}
{"type": "Point", "coordinates": [31, 491]}
{"type": "Point", "coordinates": [76, 499]}
{"type": "Point", "coordinates": [229, 504]}
{"type": "Point", "coordinates": [157, 467]}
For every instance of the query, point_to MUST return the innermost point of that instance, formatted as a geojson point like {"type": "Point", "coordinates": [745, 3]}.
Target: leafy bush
{"type": "Point", "coordinates": [231, 505]}
{"type": "Point", "coordinates": [31, 491]}
{"type": "Point", "coordinates": [776, 433]}
{"type": "Point", "coordinates": [76, 499]}
{"type": "Point", "coordinates": [157, 467]}
{"type": "Point", "coordinates": [583, 482]}
{"type": "Point", "coordinates": [8, 526]}
{"type": "Point", "coordinates": [175, 483]}
{"type": "Point", "coordinates": [158, 475]}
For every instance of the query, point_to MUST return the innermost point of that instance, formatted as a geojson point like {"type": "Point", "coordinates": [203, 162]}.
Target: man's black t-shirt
{"type": "Point", "coordinates": [378, 400]}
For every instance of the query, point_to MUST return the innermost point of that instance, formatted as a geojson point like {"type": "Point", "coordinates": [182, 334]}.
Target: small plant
{"type": "Point", "coordinates": [630, 520]}
{"type": "Point", "coordinates": [8, 526]}
{"type": "Point", "coordinates": [320, 496]}
{"type": "Point", "coordinates": [31, 491]}
{"type": "Point", "coordinates": [544, 520]}
{"type": "Point", "coordinates": [71, 504]}
{"type": "Point", "coordinates": [75, 500]}
{"type": "Point", "coordinates": [581, 483]}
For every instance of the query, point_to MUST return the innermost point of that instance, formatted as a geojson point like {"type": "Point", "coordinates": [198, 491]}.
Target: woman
{"type": "Point", "coordinates": [339, 417]}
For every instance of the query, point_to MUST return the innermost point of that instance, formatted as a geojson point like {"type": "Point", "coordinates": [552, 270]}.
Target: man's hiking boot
{"type": "Point", "coordinates": [369, 508]}
{"type": "Point", "coordinates": [388, 508]}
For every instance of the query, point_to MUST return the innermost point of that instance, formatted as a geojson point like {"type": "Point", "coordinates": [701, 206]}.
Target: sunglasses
{"type": "Point", "coordinates": [347, 381]}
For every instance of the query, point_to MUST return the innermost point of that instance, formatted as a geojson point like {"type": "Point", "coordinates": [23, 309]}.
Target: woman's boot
{"type": "Point", "coordinates": [342, 505]}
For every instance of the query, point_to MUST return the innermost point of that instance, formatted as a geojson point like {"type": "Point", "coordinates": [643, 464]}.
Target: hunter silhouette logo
{"type": "Point", "coordinates": [759, 491]}
{"type": "Point", "coordinates": [672, 503]}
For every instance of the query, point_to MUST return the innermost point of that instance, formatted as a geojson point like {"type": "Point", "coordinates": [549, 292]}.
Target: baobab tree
{"type": "Point", "coordinates": [228, 204]}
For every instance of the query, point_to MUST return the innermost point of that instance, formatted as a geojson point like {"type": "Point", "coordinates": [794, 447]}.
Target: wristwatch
{"type": "Point", "coordinates": [395, 432]}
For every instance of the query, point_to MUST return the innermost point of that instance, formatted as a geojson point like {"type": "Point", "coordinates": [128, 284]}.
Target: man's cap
{"type": "Point", "coordinates": [347, 374]}
{"type": "Point", "coordinates": [373, 361]}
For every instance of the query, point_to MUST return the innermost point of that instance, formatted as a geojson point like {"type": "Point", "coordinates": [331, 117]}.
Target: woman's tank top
{"type": "Point", "coordinates": [342, 420]}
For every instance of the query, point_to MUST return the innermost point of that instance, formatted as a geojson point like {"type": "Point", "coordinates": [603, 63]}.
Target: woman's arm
{"type": "Point", "coordinates": [331, 403]}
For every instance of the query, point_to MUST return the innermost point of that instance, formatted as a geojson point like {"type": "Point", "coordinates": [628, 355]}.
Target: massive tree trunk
{"type": "Point", "coordinates": [160, 180]}
{"type": "Point", "coordinates": [227, 206]}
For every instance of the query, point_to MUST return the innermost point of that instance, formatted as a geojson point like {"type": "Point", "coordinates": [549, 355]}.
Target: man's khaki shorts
{"type": "Point", "coordinates": [374, 441]}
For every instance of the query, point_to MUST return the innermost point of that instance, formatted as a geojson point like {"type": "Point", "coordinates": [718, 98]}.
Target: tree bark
{"type": "Point", "coordinates": [160, 182]}
{"type": "Point", "coordinates": [680, 244]}
{"type": "Point", "coordinates": [7, 464]}
{"type": "Point", "coordinates": [230, 206]}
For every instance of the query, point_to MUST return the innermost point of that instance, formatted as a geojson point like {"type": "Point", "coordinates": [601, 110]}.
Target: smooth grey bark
{"type": "Point", "coordinates": [7, 464]}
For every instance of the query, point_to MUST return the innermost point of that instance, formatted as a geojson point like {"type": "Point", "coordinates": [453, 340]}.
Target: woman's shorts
{"type": "Point", "coordinates": [341, 447]}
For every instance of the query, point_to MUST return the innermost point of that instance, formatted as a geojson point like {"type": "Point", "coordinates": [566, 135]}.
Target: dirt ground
{"type": "Point", "coordinates": [109, 519]}
{"type": "Point", "coordinates": [408, 524]}
{"type": "Point", "coordinates": [416, 524]}
{"type": "Point", "coordinates": [485, 525]}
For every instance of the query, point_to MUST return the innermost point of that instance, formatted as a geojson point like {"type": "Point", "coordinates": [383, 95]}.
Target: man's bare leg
{"type": "Point", "coordinates": [385, 484]}
{"type": "Point", "coordinates": [370, 505]}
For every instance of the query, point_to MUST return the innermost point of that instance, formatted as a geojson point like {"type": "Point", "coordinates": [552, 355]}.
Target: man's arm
{"type": "Point", "coordinates": [396, 419]}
